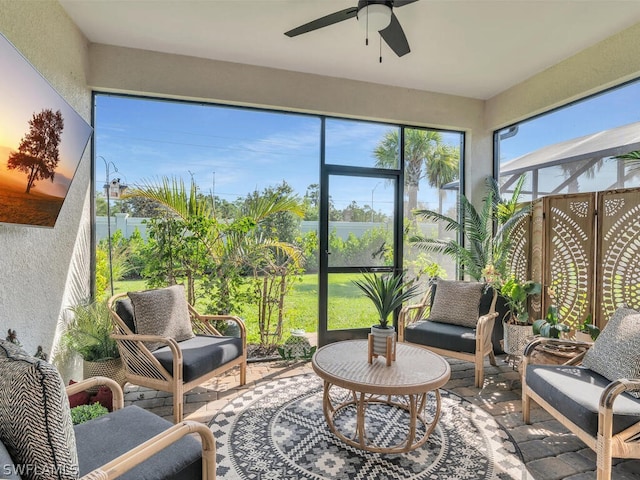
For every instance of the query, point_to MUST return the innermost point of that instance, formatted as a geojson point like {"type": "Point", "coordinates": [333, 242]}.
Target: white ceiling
{"type": "Point", "coordinates": [473, 48]}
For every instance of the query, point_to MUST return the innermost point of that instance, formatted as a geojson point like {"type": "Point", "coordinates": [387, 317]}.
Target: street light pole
{"type": "Point", "coordinates": [108, 192]}
{"type": "Point", "coordinates": [373, 190]}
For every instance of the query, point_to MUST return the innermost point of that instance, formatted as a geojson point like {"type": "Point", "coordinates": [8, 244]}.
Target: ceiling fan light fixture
{"type": "Point", "coordinates": [374, 17]}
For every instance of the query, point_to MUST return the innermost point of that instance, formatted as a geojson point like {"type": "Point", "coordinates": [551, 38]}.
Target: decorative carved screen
{"type": "Point", "coordinates": [618, 252]}
{"type": "Point", "coordinates": [569, 254]}
{"type": "Point", "coordinates": [536, 265]}
{"type": "Point", "coordinates": [590, 260]}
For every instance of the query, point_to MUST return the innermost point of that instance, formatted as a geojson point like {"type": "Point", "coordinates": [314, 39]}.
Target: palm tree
{"type": "Point", "coordinates": [480, 245]}
{"type": "Point", "coordinates": [443, 167]}
{"type": "Point", "coordinates": [425, 157]}
{"type": "Point", "coordinates": [225, 244]}
{"type": "Point", "coordinates": [632, 160]}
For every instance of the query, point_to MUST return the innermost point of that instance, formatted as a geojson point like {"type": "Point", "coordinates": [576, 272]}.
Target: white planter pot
{"type": "Point", "coordinates": [380, 336]}
{"type": "Point", "coordinates": [516, 337]}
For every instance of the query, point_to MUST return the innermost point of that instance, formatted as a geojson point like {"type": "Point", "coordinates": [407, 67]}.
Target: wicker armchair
{"type": "Point", "coordinates": [594, 408]}
{"type": "Point", "coordinates": [480, 339]}
{"type": "Point", "coordinates": [178, 366]}
{"type": "Point", "coordinates": [104, 454]}
{"type": "Point", "coordinates": [39, 441]}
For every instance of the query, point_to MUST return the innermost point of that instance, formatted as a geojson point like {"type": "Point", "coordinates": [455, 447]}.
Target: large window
{"type": "Point", "coordinates": [575, 148]}
{"type": "Point", "coordinates": [237, 157]}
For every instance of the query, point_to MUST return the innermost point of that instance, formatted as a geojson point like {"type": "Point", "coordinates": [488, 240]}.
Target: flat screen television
{"type": "Point", "coordinates": [42, 139]}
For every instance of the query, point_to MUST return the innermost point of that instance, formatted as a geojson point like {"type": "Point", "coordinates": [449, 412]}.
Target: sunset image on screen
{"type": "Point", "coordinates": [42, 140]}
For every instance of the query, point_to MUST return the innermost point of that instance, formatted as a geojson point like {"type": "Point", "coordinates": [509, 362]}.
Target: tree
{"type": "Point", "coordinates": [283, 226]}
{"type": "Point", "coordinates": [38, 154]}
{"type": "Point", "coordinates": [632, 159]}
{"type": "Point", "coordinates": [140, 207]}
{"type": "Point", "coordinates": [443, 167]}
{"type": "Point", "coordinates": [425, 156]}
{"type": "Point", "coordinates": [191, 241]}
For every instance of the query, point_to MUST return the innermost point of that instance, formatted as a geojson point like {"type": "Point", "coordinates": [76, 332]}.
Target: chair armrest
{"type": "Point", "coordinates": [605, 410]}
{"type": "Point", "coordinates": [538, 341]}
{"type": "Point", "coordinates": [136, 456]}
{"type": "Point", "coordinates": [207, 319]}
{"type": "Point", "coordinates": [116, 390]}
{"type": "Point", "coordinates": [614, 389]}
{"type": "Point", "coordinates": [530, 347]}
{"type": "Point", "coordinates": [405, 319]}
{"type": "Point", "coordinates": [133, 349]}
{"type": "Point", "coordinates": [484, 330]}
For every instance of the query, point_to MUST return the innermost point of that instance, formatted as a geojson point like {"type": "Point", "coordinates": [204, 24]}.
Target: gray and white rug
{"type": "Point", "coordinates": [277, 431]}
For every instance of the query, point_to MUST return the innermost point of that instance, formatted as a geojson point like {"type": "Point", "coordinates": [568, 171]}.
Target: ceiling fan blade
{"type": "Point", "coordinates": [395, 37]}
{"type": "Point", "coordinates": [402, 3]}
{"type": "Point", "coordinates": [323, 21]}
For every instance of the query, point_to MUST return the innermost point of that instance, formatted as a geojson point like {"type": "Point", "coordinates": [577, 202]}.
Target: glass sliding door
{"type": "Point", "coordinates": [360, 240]}
{"type": "Point", "coordinates": [360, 224]}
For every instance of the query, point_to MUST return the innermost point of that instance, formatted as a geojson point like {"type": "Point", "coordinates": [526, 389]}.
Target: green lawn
{"type": "Point", "coordinates": [348, 308]}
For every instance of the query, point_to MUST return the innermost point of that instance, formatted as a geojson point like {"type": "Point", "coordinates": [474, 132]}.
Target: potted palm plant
{"type": "Point", "coordinates": [89, 334]}
{"type": "Point", "coordinates": [387, 292]}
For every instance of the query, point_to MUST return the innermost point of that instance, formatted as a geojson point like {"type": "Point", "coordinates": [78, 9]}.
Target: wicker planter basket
{"type": "Point", "coordinates": [111, 368]}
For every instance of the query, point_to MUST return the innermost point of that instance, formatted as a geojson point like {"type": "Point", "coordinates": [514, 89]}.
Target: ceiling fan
{"type": "Point", "coordinates": [374, 15]}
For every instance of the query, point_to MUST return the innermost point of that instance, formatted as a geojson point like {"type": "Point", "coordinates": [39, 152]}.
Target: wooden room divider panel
{"type": "Point", "coordinates": [537, 262]}
{"type": "Point", "coordinates": [587, 255]}
{"type": "Point", "coordinates": [569, 254]}
{"type": "Point", "coordinates": [618, 272]}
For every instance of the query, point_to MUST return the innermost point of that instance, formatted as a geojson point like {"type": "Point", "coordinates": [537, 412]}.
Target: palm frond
{"type": "Point", "coordinates": [450, 223]}
{"type": "Point", "coordinates": [172, 193]}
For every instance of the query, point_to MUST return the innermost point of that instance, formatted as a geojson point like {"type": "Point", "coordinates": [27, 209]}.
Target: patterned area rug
{"type": "Point", "coordinates": [278, 431]}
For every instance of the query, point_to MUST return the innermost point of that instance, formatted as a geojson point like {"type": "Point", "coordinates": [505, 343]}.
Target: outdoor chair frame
{"type": "Point", "coordinates": [484, 347]}
{"type": "Point", "coordinates": [154, 445]}
{"type": "Point", "coordinates": [606, 445]}
{"type": "Point", "coordinates": [143, 368]}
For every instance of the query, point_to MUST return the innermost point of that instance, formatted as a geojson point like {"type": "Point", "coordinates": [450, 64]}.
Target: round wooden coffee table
{"type": "Point", "coordinates": [404, 385]}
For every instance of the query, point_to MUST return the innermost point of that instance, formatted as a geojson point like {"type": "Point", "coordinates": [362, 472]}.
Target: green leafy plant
{"type": "Point", "coordinates": [387, 292]}
{"type": "Point", "coordinates": [89, 332]}
{"type": "Point", "coordinates": [589, 328]}
{"type": "Point", "coordinates": [550, 326]}
{"type": "Point", "coordinates": [515, 293]}
{"type": "Point", "coordinates": [477, 243]}
{"type": "Point", "coordinates": [288, 355]}
{"type": "Point", "coordinates": [84, 413]}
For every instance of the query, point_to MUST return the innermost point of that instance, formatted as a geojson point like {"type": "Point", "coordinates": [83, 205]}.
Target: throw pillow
{"type": "Point", "coordinates": [164, 312]}
{"type": "Point", "coordinates": [615, 353]}
{"type": "Point", "coordinates": [104, 397]}
{"type": "Point", "coordinates": [80, 398]}
{"type": "Point", "coordinates": [35, 419]}
{"type": "Point", "coordinates": [457, 303]}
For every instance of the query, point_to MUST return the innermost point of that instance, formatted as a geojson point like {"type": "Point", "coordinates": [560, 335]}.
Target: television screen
{"type": "Point", "coordinates": [42, 140]}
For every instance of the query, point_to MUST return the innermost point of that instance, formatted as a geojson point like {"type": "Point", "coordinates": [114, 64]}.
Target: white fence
{"type": "Point", "coordinates": [127, 224]}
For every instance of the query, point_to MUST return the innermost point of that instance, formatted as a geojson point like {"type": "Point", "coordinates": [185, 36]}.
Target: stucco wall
{"type": "Point", "coordinates": [43, 270]}
{"type": "Point", "coordinates": [605, 64]}
{"type": "Point", "coordinates": [127, 70]}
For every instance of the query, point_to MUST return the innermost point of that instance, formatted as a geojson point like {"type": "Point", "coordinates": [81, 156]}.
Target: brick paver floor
{"type": "Point", "coordinates": [549, 450]}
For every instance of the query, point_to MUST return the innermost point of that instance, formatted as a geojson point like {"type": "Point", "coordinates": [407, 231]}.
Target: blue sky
{"type": "Point", "coordinates": [611, 109]}
{"type": "Point", "coordinates": [233, 151]}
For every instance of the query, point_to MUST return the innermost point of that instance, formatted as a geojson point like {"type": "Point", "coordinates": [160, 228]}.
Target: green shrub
{"type": "Point", "coordinates": [84, 413]}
